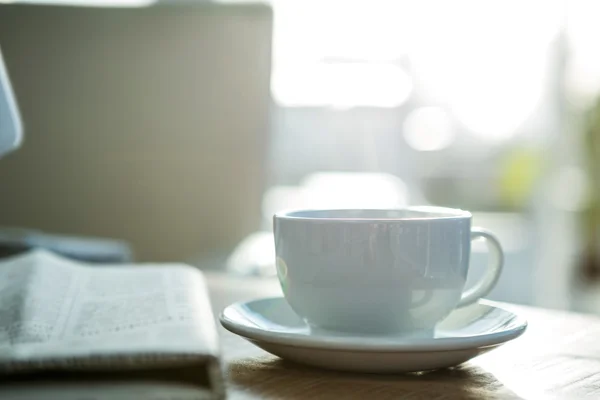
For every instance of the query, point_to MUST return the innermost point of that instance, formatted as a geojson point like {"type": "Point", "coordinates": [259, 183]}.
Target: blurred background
{"type": "Point", "coordinates": [177, 128]}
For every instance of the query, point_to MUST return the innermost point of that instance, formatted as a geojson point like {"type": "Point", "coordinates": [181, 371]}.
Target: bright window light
{"type": "Point", "coordinates": [339, 54]}
{"type": "Point", "coordinates": [342, 85]}
{"type": "Point", "coordinates": [428, 129]}
{"type": "Point", "coordinates": [483, 61]}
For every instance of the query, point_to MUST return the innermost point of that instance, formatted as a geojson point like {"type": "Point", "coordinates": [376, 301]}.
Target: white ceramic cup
{"type": "Point", "coordinates": [379, 271]}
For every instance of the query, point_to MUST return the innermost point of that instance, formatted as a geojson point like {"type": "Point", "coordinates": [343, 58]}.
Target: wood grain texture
{"type": "Point", "coordinates": [557, 358]}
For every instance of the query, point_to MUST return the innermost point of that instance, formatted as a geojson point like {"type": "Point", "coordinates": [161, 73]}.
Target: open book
{"type": "Point", "coordinates": [72, 330]}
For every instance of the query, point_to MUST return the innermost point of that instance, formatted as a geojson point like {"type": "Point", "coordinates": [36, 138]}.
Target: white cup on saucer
{"type": "Point", "coordinates": [396, 271]}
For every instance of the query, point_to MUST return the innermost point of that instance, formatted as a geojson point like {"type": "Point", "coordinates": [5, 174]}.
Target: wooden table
{"type": "Point", "coordinates": [557, 358]}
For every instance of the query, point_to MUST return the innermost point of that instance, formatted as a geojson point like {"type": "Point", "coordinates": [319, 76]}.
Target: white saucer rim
{"type": "Point", "coordinates": [355, 344]}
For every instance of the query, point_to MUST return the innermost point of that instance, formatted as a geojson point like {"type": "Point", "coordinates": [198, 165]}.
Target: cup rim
{"type": "Point", "coordinates": [429, 213]}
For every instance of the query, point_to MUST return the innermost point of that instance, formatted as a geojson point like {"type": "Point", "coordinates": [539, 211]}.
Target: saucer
{"type": "Point", "coordinates": [467, 332]}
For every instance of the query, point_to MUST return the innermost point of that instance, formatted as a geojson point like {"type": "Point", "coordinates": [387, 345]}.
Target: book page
{"type": "Point", "coordinates": [52, 308]}
{"type": "Point", "coordinates": [104, 391]}
{"type": "Point", "coordinates": [36, 294]}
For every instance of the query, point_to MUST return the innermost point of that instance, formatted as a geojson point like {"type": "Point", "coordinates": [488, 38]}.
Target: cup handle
{"type": "Point", "coordinates": [495, 264]}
